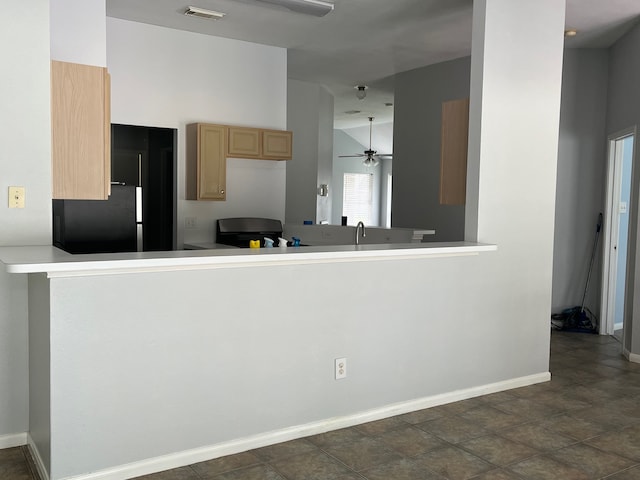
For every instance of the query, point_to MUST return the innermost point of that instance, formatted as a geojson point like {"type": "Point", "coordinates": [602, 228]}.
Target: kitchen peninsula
{"type": "Point", "coordinates": [141, 362]}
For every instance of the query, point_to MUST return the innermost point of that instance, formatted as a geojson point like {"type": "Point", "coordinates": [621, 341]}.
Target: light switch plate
{"type": "Point", "coordinates": [191, 222]}
{"type": "Point", "coordinates": [340, 368]}
{"type": "Point", "coordinates": [16, 197]}
{"type": "Point", "coordinates": [623, 207]}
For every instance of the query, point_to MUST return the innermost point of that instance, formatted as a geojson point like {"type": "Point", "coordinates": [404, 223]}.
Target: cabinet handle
{"type": "Point", "coordinates": [222, 192]}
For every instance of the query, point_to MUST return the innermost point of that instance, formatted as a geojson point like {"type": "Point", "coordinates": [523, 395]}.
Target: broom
{"type": "Point", "coordinates": [580, 318]}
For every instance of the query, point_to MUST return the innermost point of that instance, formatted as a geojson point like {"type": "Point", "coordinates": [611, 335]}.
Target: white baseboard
{"type": "Point", "coordinates": [187, 457]}
{"type": "Point", "coordinates": [632, 357]}
{"type": "Point", "coordinates": [37, 459]}
{"type": "Point", "coordinates": [618, 326]}
{"type": "Point", "coordinates": [13, 440]}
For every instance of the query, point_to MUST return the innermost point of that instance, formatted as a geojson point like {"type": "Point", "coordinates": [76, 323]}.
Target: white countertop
{"type": "Point", "coordinates": [55, 262]}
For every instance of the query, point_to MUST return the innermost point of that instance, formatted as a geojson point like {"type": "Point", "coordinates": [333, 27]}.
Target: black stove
{"type": "Point", "coordinates": [238, 231]}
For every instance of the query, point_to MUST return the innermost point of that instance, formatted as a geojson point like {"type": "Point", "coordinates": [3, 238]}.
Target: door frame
{"type": "Point", "coordinates": [610, 228]}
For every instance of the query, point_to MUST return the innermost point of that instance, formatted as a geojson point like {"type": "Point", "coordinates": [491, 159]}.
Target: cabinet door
{"type": "Point", "coordinates": [244, 142]}
{"type": "Point", "coordinates": [276, 144]}
{"type": "Point", "coordinates": [80, 120]}
{"type": "Point", "coordinates": [453, 152]}
{"type": "Point", "coordinates": [206, 162]}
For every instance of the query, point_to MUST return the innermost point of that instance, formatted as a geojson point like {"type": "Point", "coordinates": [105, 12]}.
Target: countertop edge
{"type": "Point", "coordinates": [55, 262]}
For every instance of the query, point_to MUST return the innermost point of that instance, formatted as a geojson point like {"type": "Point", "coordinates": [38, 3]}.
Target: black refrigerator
{"type": "Point", "coordinates": [140, 212]}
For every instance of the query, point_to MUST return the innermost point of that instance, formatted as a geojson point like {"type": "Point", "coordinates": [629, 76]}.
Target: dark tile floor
{"type": "Point", "coordinates": [584, 424]}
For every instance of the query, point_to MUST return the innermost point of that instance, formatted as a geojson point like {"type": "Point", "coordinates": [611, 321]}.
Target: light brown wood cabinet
{"type": "Point", "coordinates": [80, 131]}
{"type": "Point", "coordinates": [206, 161]}
{"type": "Point", "coordinates": [277, 144]}
{"type": "Point", "coordinates": [245, 142]}
{"type": "Point", "coordinates": [453, 152]}
{"type": "Point", "coordinates": [209, 145]}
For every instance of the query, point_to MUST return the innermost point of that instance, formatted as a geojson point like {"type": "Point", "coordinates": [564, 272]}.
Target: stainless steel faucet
{"type": "Point", "coordinates": [364, 232]}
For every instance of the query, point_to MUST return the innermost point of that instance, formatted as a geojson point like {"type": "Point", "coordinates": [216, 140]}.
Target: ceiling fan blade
{"type": "Point", "coordinates": [385, 155]}
{"type": "Point", "coordinates": [350, 156]}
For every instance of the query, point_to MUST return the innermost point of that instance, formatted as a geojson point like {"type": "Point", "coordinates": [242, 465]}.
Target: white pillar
{"type": "Point", "coordinates": [516, 76]}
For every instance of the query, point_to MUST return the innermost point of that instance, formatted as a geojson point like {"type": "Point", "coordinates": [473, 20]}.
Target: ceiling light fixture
{"type": "Point", "coordinates": [317, 8]}
{"type": "Point", "coordinates": [362, 91]}
{"type": "Point", "coordinates": [570, 33]}
{"type": "Point", "coordinates": [203, 13]}
{"type": "Point", "coordinates": [370, 161]}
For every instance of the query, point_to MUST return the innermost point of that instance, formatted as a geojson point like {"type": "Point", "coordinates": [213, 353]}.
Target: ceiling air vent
{"type": "Point", "coordinates": [203, 13]}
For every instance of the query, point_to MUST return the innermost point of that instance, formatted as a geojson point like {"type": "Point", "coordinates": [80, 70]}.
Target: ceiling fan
{"type": "Point", "coordinates": [371, 156]}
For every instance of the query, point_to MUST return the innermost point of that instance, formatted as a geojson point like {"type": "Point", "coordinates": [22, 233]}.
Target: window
{"type": "Point", "coordinates": [357, 198]}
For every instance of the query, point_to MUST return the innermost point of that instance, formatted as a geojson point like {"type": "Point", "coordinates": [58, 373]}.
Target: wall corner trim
{"type": "Point", "coordinates": [37, 459]}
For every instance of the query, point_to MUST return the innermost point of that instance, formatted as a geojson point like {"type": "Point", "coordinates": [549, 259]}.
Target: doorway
{"type": "Point", "coordinates": [146, 157]}
{"type": "Point", "coordinates": [616, 221]}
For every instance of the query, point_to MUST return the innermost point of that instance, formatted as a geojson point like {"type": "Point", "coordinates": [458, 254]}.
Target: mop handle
{"type": "Point", "coordinates": [593, 257]}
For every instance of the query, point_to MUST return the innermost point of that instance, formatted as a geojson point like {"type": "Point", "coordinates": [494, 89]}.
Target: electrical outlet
{"type": "Point", "coordinates": [16, 197]}
{"type": "Point", "coordinates": [190, 222]}
{"type": "Point", "coordinates": [341, 368]}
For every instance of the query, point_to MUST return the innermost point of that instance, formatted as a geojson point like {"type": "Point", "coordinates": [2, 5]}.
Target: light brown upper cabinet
{"type": "Point", "coordinates": [80, 131]}
{"type": "Point", "coordinates": [453, 152]}
{"type": "Point", "coordinates": [277, 144]}
{"type": "Point", "coordinates": [245, 142]}
{"type": "Point", "coordinates": [206, 162]}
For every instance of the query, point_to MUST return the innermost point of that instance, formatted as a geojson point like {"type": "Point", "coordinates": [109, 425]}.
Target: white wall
{"type": "Point", "coordinates": [516, 75]}
{"type": "Point", "coordinates": [40, 369]}
{"type": "Point", "coordinates": [581, 176]}
{"type": "Point", "coordinates": [386, 182]}
{"type": "Point", "coordinates": [382, 142]}
{"type": "Point", "coordinates": [25, 160]}
{"type": "Point", "coordinates": [344, 144]}
{"type": "Point", "coordinates": [152, 364]}
{"type": "Point", "coordinates": [78, 31]}
{"type": "Point", "coordinates": [310, 117]}
{"type": "Point", "coordinates": [168, 78]}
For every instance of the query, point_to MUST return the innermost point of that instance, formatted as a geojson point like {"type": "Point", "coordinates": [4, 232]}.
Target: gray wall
{"type": "Point", "coordinates": [623, 111]}
{"type": "Point", "coordinates": [325, 154]}
{"type": "Point", "coordinates": [581, 163]}
{"type": "Point", "coordinates": [25, 161]}
{"type": "Point", "coordinates": [310, 117]}
{"type": "Point", "coordinates": [581, 177]}
{"type": "Point", "coordinates": [416, 148]}
{"type": "Point", "coordinates": [345, 145]}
